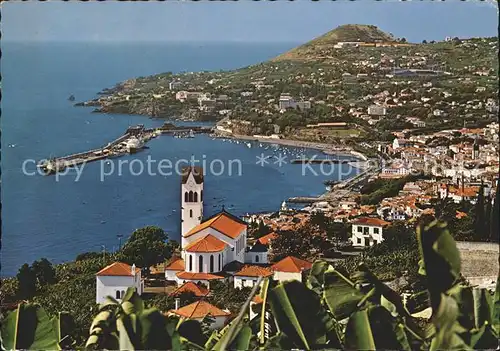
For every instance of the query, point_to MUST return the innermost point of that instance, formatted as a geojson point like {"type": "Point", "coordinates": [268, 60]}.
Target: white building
{"type": "Point", "coordinates": [208, 246]}
{"type": "Point", "coordinates": [287, 101]}
{"type": "Point", "coordinates": [375, 110]}
{"type": "Point", "coordinates": [290, 268]}
{"type": "Point", "coordinates": [191, 199]}
{"type": "Point", "coordinates": [199, 310]}
{"type": "Point", "coordinates": [367, 231]}
{"type": "Point", "coordinates": [115, 279]}
{"type": "Point", "coordinates": [248, 276]}
{"type": "Point", "coordinates": [174, 85]}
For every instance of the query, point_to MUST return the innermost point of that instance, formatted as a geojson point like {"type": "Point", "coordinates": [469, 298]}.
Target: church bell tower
{"type": "Point", "coordinates": [191, 199]}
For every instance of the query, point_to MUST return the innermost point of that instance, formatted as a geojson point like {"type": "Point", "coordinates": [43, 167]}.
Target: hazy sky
{"type": "Point", "coordinates": [279, 21]}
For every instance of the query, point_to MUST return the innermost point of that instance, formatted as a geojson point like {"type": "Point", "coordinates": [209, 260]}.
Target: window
{"type": "Point", "coordinates": [191, 213]}
{"type": "Point", "coordinates": [122, 294]}
{"type": "Point", "coordinates": [375, 230]}
{"type": "Point", "coordinates": [256, 258]}
{"type": "Point", "coordinates": [117, 294]}
{"type": "Point", "coordinates": [211, 263]}
{"type": "Point", "coordinates": [191, 196]}
{"type": "Point", "coordinates": [195, 197]}
{"type": "Point", "coordinates": [375, 242]}
{"type": "Point", "coordinates": [219, 263]}
{"type": "Point", "coordinates": [366, 230]}
{"type": "Point", "coordinates": [200, 264]}
{"type": "Point", "coordinates": [190, 263]}
{"type": "Point", "coordinates": [201, 196]}
{"type": "Point", "coordinates": [243, 282]}
{"type": "Point", "coordinates": [186, 197]}
{"type": "Point", "coordinates": [360, 229]}
{"type": "Point", "coordinates": [358, 240]}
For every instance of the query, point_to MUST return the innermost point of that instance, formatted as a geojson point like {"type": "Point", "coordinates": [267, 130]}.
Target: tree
{"type": "Point", "coordinates": [44, 272]}
{"type": "Point", "coordinates": [27, 282]}
{"type": "Point", "coordinates": [424, 41]}
{"type": "Point", "coordinates": [303, 242]}
{"type": "Point", "coordinates": [495, 217]}
{"type": "Point", "coordinates": [147, 247]}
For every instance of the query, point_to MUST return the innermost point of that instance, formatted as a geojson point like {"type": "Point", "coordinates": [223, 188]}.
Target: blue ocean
{"type": "Point", "coordinates": [57, 218]}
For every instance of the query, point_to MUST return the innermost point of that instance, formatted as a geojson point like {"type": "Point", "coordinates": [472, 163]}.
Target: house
{"type": "Point", "coordinates": [199, 310]}
{"type": "Point", "coordinates": [400, 143]}
{"type": "Point", "coordinates": [256, 254]}
{"type": "Point", "coordinates": [375, 110]}
{"type": "Point", "coordinates": [290, 268]}
{"type": "Point", "coordinates": [367, 231]}
{"type": "Point", "coordinates": [115, 279]}
{"type": "Point", "coordinates": [197, 290]}
{"type": "Point", "coordinates": [174, 85]}
{"type": "Point", "coordinates": [248, 276]}
{"type": "Point", "coordinates": [183, 95]}
{"type": "Point", "coordinates": [174, 266]}
{"type": "Point", "coordinates": [266, 239]}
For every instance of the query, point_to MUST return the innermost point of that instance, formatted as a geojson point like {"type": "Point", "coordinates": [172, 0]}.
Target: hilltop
{"type": "Point", "coordinates": [334, 78]}
{"type": "Point", "coordinates": [346, 33]}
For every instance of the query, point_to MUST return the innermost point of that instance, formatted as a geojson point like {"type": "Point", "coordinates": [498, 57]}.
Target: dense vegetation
{"type": "Point", "coordinates": [331, 310]}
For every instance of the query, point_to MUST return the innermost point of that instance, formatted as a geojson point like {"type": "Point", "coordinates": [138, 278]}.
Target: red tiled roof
{"type": "Point", "coordinates": [200, 309]}
{"type": "Point", "coordinates": [118, 269]}
{"type": "Point", "coordinates": [377, 222]}
{"type": "Point", "coordinates": [264, 240]}
{"type": "Point", "coordinates": [208, 243]}
{"type": "Point", "coordinates": [197, 276]}
{"type": "Point", "coordinates": [291, 264]}
{"type": "Point", "coordinates": [191, 287]}
{"type": "Point", "coordinates": [223, 223]}
{"type": "Point", "coordinates": [254, 271]}
{"type": "Point", "coordinates": [257, 299]}
{"type": "Point", "coordinates": [176, 265]}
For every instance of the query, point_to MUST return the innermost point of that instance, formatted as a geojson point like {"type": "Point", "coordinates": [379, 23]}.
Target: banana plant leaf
{"type": "Point", "coordinates": [440, 260]}
{"type": "Point", "coordinates": [340, 294]}
{"type": "Point", "coordinates": [358, 333]}
{"type": "Point", "coordinates": [29, 327]}
{"type": "Point", "coordinates": [300, 315]}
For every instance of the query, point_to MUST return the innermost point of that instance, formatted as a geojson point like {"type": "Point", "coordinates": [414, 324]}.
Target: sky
{"type": "Point", "coordinates": [241, 21]}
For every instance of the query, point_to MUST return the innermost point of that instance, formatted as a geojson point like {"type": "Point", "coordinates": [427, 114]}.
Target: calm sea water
{"type": "Point", "coordinates": [43, 217]}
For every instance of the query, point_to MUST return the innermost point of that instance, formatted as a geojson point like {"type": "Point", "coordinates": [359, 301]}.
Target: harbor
{"type": "Point", "coordinates": [133, 140]}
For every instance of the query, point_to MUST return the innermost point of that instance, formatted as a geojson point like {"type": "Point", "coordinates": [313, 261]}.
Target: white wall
{"type": "Point", "coordinates": [284, 276]}
{"type": "Point", "coordinates": [206, 261]}
{"type": "Point", "coordinates": [229, 255]}
{"type": "Point", "coordinates": [188, 221]}
{"type": "Point", "coordinates": [241, 281]}
{"type": "Point", "coordinates": [250, 257]}
{"type": "Point", "coordinates": [170, 275]}
{"type": "Point", "coordinates": [108, 285]}
{"type": "Point", "coordinates": [360, 238]}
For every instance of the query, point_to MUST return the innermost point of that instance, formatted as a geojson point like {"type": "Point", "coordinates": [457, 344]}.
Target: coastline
{"type": "Point", "coordinates": [328, 149]}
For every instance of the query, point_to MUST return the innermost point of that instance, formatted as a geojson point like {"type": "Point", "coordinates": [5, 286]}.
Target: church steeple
{"type": "Point", "coordinates": [191, 198]}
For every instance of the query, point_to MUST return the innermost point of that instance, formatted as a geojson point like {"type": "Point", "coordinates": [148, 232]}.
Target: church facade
{"type": "Point", "coordinates": [211, 245]}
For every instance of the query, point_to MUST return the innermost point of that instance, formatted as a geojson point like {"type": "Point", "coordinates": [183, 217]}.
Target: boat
{"type": "Point", "coordinates": [249, 145]}
{"type": "Point", "coordinates": [134, 144]}
{"type": "Point", "coordinates": [71, 97]}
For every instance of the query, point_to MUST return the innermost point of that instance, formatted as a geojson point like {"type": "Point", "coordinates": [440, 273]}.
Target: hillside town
{"type": "Point", "coordinates": [422, 122]}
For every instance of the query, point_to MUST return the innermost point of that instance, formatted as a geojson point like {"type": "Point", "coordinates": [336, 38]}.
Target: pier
{"type": "Point", "coordinates": [133, 140]}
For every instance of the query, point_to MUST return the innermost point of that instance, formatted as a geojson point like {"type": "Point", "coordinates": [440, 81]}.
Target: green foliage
{"type": "Point", "coordinates": [146, 247]}
{"type": "Point", "coordinates": [44, 272]}
{"type": "Point", "coordinates": [27, 282]}
{"type": "Point", "coordinates": [379, 189]}
{"type": "Point", "coordinates": [30, 327]}
{"type": "Point", "coordinates": [331, 311]}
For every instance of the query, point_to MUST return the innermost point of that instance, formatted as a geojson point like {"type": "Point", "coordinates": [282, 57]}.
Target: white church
{"type": "Point", "coordinates": [212, 247]}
